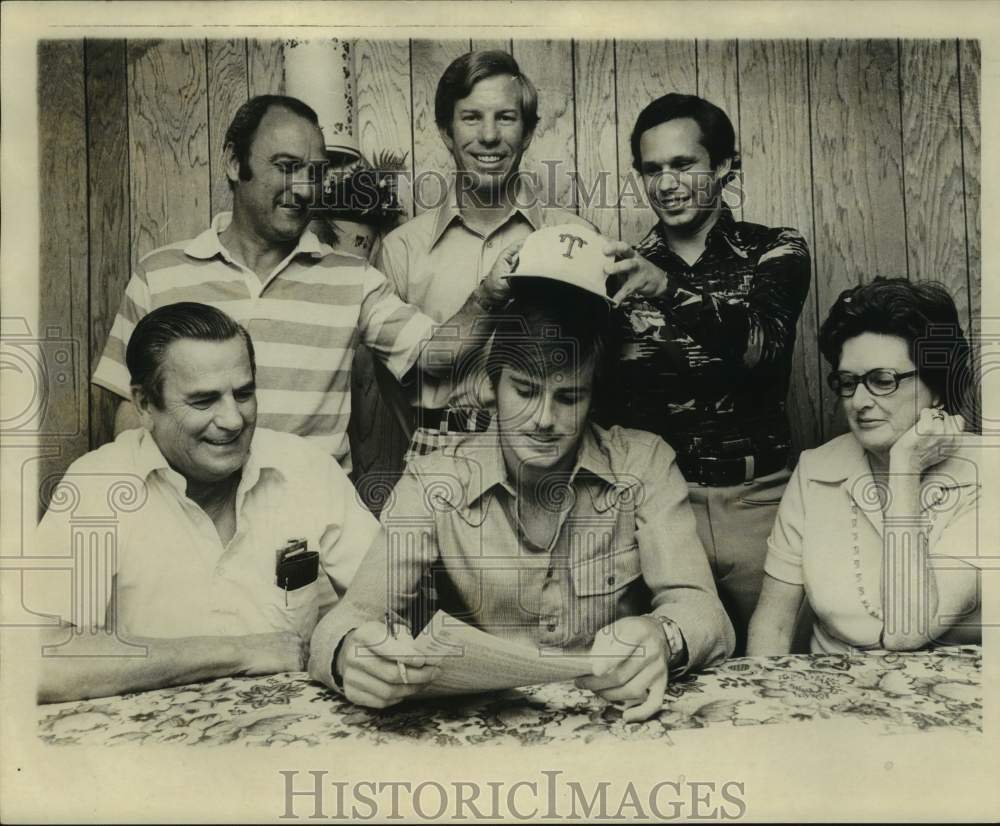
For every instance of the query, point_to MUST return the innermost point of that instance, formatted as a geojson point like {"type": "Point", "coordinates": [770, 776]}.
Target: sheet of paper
{"type": "Point", "coordinates": [475, 661]}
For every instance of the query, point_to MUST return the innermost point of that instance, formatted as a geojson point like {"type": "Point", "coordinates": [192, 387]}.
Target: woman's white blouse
{"type": "Point", "coordinates": [829, 531]}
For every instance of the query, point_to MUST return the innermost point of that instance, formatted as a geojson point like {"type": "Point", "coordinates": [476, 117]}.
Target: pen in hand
{"type": "Point", "coordinates": [390, 627]}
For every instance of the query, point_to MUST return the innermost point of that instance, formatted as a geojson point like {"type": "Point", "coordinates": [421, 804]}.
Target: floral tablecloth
{"type": "Point", "coordinates": [939, 689]}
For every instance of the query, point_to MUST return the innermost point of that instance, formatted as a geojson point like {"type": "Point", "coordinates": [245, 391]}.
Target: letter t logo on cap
{"type": "Point", "coordinates": [573, 240]}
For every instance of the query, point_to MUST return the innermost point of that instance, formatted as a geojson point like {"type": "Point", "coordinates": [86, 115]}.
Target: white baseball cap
{"type": "Point", "coordinates": [570, 253]}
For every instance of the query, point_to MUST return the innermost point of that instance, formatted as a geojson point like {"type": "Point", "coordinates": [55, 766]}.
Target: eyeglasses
{"type": "Point", "coordinates": [882, 381]}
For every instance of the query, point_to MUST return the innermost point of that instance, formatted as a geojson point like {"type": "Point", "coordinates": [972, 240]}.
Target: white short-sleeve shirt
{"type": "Point", "coordinates": [828, 537]}
{"type": "Point", "coordinates": [122, 510]}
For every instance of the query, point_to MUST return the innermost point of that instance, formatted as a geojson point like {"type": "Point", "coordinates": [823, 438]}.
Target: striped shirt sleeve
{"type": "Point", "coordinates": [396, 332]}
{"type": "Point", "coordinates": [112, 373]}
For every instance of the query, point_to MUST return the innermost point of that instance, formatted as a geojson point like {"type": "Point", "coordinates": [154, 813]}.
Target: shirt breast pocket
{"type": "Point", "coordinates": [607, 573]}
{"type": "Point", "coordinates": [296, 609]}
{"type": "Point", "coordinates": [605, 589]}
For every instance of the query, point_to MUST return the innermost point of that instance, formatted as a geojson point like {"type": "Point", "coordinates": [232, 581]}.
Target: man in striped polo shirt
{"type": "Point", "coordinates": [306, 306]}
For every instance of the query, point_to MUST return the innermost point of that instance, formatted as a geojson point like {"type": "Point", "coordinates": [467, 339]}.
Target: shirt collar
{"type": "Point", "coordinates": [264, 455]}
{"type": "Point", "coordinates": [725, 224]}
{"type": "Point", "coordinates": [207, 245]}
{"type": "Point", "coordinates": [527, 206]}
{"type": "Point", "coordinates": [150, 459]}
{"type": "Point", "coordinates": [593, 459]}
{"type": "Point", "coordinates": [724, 230]}
{"type": "Point", "coordinates": [845, 461]}
{"type": "Point", "coordinates": [590, 459]}
{"type": "Point", "coordinates": [492, 470]}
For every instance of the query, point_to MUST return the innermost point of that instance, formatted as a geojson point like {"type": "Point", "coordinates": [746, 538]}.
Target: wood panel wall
{"type": "Point", "coordinates": [870, 148]}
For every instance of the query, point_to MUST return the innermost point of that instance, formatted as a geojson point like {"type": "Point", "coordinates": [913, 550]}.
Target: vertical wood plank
{"type": "Point", "coordinates": [168, 133]}
{"type": "Point", "coordinates": [597, 134]}
{"type": "Point", "coordinates": [489, 45]}
{"type": "Point", "coordinates": [227, 91]}
{"type": "Point", "coordinates": [969, 74]}
{"type": "Point", "coordinates": [857, 163]}
{"type": "Point", "coordinates": [647, 69]}
{"type": "Point", "coordinates": [108, 162]}
{"type": "Point", "coordinates": [63, 323]}
{"type": "Point", "coordinates": [932, 161]}
{"type": "Point", "coordinates": [382, 72]}
{"type": "Point", "coordinates": [718, 82]}
{"type": "Point", "coordinates": [969, 69]}
{"type": "Point", "coordinates": [777, 191]}
{"type": "Point", "coordinates": [551, 156]}
{"type": "Point", "coordinates": [776, 140]}
{"type": "Point", "coordinates": [265, 67]}
{"type": "Point", "coordinates": [431, 159]}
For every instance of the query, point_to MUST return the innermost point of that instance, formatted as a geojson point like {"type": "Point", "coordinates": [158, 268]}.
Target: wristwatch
{"type": "Point", "coordinates": [676, 646]}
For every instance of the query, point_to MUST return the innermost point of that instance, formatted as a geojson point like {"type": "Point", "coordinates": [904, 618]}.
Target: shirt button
{"type": "Point", "coordinates": [611, 580]}
{"type": "Point", "coordinates": [489, 243]}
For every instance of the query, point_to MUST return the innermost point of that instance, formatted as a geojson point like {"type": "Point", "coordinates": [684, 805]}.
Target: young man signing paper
{"type": "Point", "coordinates": [546, 530]}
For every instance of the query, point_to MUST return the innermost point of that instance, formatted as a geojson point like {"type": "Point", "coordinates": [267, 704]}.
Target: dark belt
{"type": "Point", "coordinates": [717, 471]}
{"type": "Point", "coordinates": [453, 420]}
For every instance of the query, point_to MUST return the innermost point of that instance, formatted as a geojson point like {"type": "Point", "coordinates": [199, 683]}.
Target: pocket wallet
{"type": "Point", "coordinates": [297, 571]}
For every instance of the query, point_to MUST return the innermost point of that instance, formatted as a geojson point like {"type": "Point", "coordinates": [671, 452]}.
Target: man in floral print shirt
{"type": "Point", "coordinates": [710, 306]}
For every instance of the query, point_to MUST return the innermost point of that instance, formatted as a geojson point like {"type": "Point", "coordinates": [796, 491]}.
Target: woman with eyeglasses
{"type": "Point", "coordinates": [878, 528]}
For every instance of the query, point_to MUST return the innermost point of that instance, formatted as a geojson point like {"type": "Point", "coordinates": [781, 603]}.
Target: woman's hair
{"type": "Point", "coordinates": [550, 326]}
{"type": "Point", "coordinates": [466, 71]}
{"type": "Point", "coordinates": [156, 331]}
{"type": "Point", "coordinates": [920, 312]}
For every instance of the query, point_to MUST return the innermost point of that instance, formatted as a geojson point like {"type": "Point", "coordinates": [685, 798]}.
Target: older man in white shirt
{"type": "Point", "coordinates": [222, 567]}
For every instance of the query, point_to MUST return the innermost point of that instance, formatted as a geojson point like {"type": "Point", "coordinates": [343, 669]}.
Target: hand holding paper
{"type": "Point", "coordinates": [472, 660]}
{"type": "Point", "coordinates": [629, 662]}
{"type": "Point", "coordinates": [380, 666]}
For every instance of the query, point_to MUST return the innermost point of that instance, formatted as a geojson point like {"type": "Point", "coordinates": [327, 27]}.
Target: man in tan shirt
{"type": "Point", "coordinates": [486, 111]}
{"type": "Point", "coordinates": [546, 529]}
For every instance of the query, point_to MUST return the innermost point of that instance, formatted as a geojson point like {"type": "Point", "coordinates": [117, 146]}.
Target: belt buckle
{"type": "Point", "coordinates": [749, 467]}
{"type": "Point", "coordinates": [702, 471]}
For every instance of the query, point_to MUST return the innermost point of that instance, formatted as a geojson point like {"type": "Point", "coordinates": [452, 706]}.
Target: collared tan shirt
{"type": "Point", "coordinates": [435, 261]}
{"type": "Point", "coordinates": [626, 545]}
